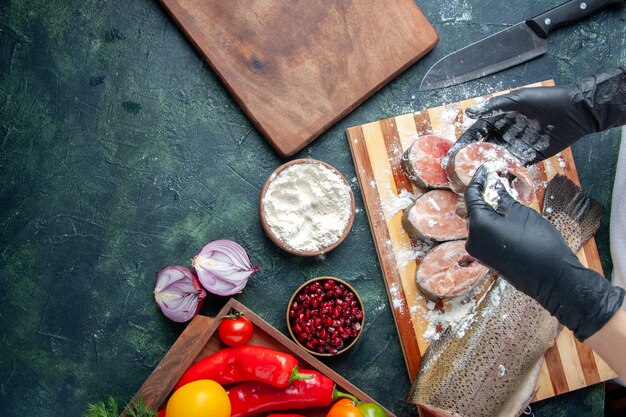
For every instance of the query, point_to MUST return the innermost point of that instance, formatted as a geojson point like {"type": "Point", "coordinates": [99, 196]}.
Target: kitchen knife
{"type": "Point", "coordinates": [510, 47]}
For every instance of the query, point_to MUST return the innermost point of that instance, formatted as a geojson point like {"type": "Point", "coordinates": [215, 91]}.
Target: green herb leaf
{"type": "Point", "coordinates": [138, 408]}
{"type": "Point", "coordinates": [100, 409]}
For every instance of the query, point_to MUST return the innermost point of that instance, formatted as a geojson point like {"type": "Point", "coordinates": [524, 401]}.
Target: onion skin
{"type": "Point", "coordinates": [224, 267]}
{"type": "Point", "coordinates": [178, 293]}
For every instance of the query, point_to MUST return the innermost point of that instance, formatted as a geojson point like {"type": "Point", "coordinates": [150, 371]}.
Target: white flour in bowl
{"type": "Point", "coordinates": [307, 206]}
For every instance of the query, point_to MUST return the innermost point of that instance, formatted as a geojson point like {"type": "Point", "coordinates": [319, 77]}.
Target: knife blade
{"type": "Point", "coordinates": [512, 46]}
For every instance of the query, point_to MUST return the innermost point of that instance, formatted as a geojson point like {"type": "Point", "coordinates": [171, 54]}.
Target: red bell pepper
{"type": "Point", "coordinates": [285, 415]}
{"type": "Point", "coordinates": [249, 398]}
{"type": "Point", "coordinates": [245, 363]}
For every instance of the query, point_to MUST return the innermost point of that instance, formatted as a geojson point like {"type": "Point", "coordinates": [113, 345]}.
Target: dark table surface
{"type": "Point", "coordinates": [121, 152]}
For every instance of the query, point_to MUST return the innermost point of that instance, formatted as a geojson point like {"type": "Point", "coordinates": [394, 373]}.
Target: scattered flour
{"type": "Point", "coordinates": [434, 204]}
{"type": "Point", "coordinates": [396, 298]}
{"type": "Point", "coordinates": [393, 204]}
{"type": "Point", "coordinates": [490, 193]}
{"type": "Point", "coordinates": [456, 314]}
{"type": "Point", "coordinates": [418, 250]}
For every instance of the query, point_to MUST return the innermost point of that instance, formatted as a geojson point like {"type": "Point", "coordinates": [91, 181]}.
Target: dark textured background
{"type": "Point", "coordinates": [121, 152]}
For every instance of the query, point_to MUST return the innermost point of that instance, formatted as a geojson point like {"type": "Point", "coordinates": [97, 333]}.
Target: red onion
{"type": "Point", "coordinates": [178, 293]}
{"type": "Point", "coordinates": [223, 267]}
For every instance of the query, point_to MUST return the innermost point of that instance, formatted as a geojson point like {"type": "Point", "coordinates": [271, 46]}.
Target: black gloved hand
{"type": "Point", "coordinates": [532, 255]}
{"type": "Point", "coordinates": [537, 123]}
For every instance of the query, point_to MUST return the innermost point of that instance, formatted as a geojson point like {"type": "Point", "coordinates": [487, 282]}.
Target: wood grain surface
{"type": "Point", "coordinates": [200, 339]}
{"type": "Point", "coordinates": [376, 150]}
{"type": "Point", "coordinates": [297, 67]}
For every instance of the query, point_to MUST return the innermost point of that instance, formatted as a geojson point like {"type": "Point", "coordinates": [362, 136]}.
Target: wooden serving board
{"type": "Point", "coordinates": [376, 149]}
{"type": "Point", "coordinates": [200, 339]}
{"type": "Point", "coordinates": [297, 67]}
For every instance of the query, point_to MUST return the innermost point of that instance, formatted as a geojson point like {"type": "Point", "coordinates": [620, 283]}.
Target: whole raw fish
{"type": "Point", "coordinates": [488, 366]}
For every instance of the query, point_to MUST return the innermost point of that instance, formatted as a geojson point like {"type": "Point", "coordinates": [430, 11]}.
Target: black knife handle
{"type": "Point", "coordinates": [567, 13]}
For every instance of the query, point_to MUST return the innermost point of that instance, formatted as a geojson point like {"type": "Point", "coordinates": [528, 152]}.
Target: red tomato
{"type": "Point", "coordinates": [235, 330]}
{"type": "Point", "coordinates": [344, 408]}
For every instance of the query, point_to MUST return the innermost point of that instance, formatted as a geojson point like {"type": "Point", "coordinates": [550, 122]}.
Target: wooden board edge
{"type": "Point", "coordinates": [409, 345]}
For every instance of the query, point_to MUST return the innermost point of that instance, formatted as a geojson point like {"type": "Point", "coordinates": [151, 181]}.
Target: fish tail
{"type": "Point", "coordinates": [565, 201]}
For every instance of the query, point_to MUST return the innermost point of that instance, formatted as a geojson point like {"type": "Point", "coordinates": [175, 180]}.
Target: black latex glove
{"type": "Point", "coordinates": [531, 254]}
{"type": "Point", "coordinates": [537, 123]}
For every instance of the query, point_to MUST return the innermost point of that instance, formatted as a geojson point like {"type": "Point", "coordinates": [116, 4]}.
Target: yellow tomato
{"type": "Point", "coordinates": [202, 398]}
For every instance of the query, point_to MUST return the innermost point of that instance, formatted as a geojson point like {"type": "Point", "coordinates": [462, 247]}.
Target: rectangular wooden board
{"type": "Point", "coordinates": [376, 150]}
{"type": "Point", "coordinates": [297, 67]}
{"type": "Point", "coordinates": [200, 339]}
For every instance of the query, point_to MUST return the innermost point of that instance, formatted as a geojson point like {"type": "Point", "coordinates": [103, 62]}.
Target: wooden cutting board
{"type": "Point", "coordinates": [297, 67]}
{"type": "Point", "coordinates": [376, 149]}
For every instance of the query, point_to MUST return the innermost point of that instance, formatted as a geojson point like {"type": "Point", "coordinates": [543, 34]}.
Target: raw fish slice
{"type": "Point", "coordinates": [422, 161]}
{"type": "Point", "coordinates": [448, 271]}
{"type": "Point", "coordinates": [463, 164]}
{"type": "Point", "coordinates": [433, 217]}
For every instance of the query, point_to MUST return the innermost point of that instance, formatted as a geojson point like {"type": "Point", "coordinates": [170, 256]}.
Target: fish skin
{"type": "Point", "coordinates": [491, 369]}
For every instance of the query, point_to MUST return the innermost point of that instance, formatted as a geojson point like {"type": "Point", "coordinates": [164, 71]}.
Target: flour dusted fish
{"type": "Point", "coordinates": [422, 161]}
{"type": "Point", "coordinates": [433, 217]}
{"type": "Point", "coordinates": [492, 368]}
{"type": "Point", "coordinates": [463, 163]}
{"type": "Point", "coordinates": [448, 271]}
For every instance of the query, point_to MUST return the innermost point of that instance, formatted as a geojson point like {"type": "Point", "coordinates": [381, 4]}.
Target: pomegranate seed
{"type": "Point", "coordinates": [337, 342]}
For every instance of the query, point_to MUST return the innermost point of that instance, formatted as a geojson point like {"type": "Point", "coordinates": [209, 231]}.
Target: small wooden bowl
{"type": "Point", "coordinates": [356, 297]}
{"type": "Point", "coordinates": [282, 244]}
